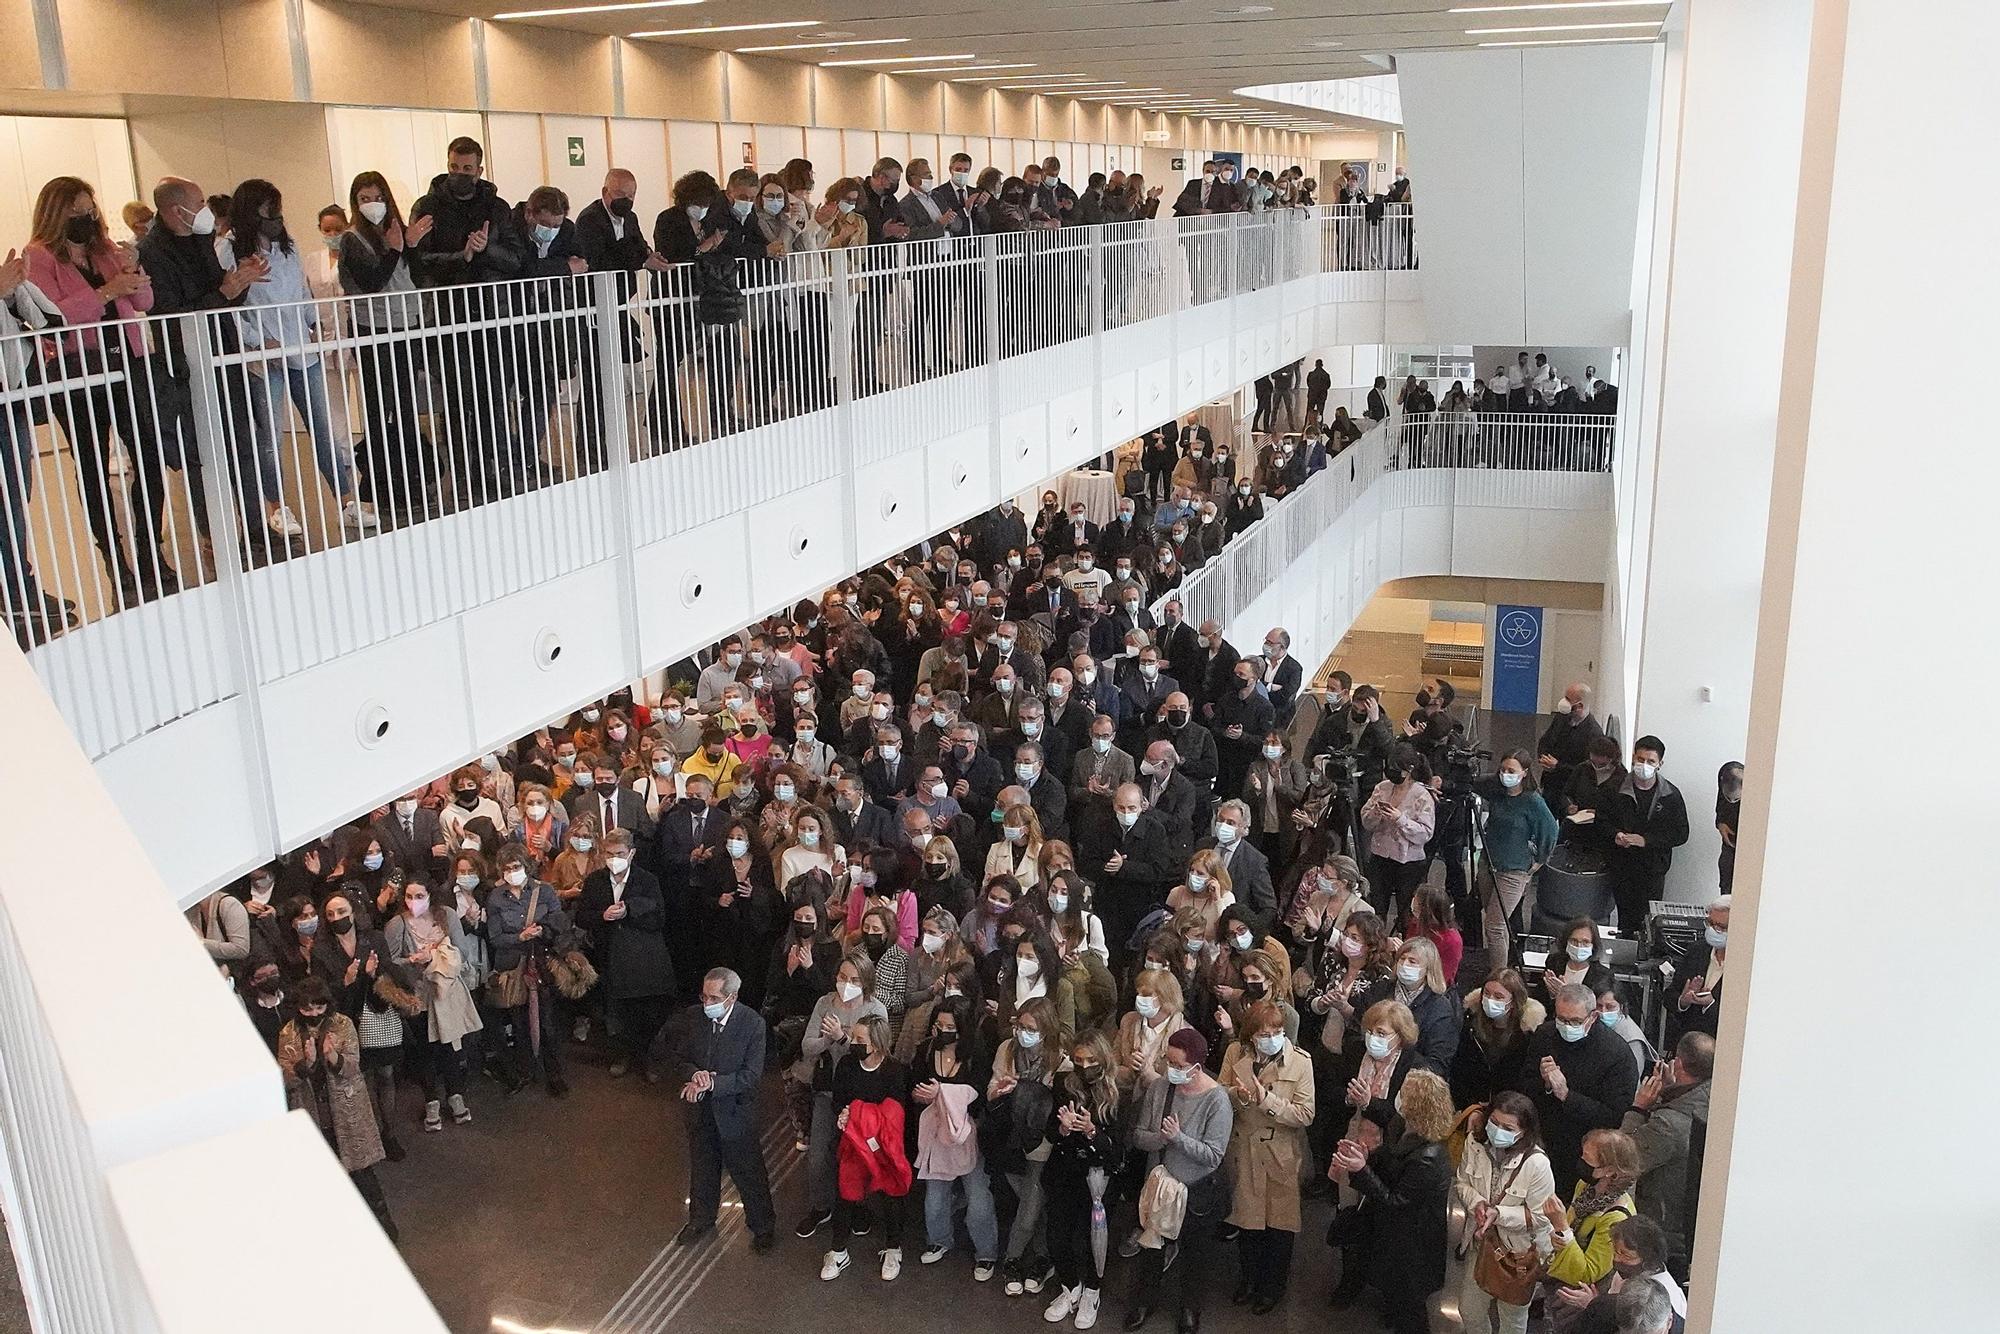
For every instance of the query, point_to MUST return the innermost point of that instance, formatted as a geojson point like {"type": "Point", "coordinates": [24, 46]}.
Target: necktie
{"type": "Point", "coordinates": [409, 826]}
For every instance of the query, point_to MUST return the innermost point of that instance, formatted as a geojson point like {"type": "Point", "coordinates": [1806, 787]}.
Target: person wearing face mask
{"type": "Point", "coordinates": [553, 253]}
{"type": "Point", "coordinates": [1183, 1126]}
{"type": "Point", "coordinates": [948, 1090]}
{"type": "Point", "coordinates": [409, 831]}
{"type": "Point", "coordinates": [1697, 1007]}
{"type": "Point", "coordinates": [223, 924]}
{"type": "Point", "coordinates": [822, 1045]}
{"type": "Point", "coordinates": [1420, 985]}
{"type": "Point", "coordinates": [1649, 819]}
{"type": "Point", "coordinates": [1124, 849]}
{"type": "Point", "coordinates": [1085, 1150]}
{"type": "Point", "coordinates": [523, 914]}
{"type": "Point", "coordinates": [1013, 1135]}
{"type": "Point", "coordinates": [715, 764]}
{"type": "Point", "coordinates": [1580, 1076]}
{"type": "Point", "coordinates": [1580, 1243]}
{"type": "Point", "coordinates": [1249, 870]}
{"type": "Point", "coordinates": [1019, 848]}
{"type": "Point", "coordinates": [320, 1055]}
{"type": "Point", "coordinates": [1270, 1085]}
{"type": "Point", "coordinates": [280, 316]}
{"type": "Point", "coordinates": [1503, 1182]}
{"type": "Point", "coordinates": [426, 939]}
{"type": "Point", "coordinates": [1728, 819]}
{"type": "Point", "coordinates": [469, 802]}
{"type": "Point", "coordinates": [739, 901]}
{"type": "Point", "coordinates": [1492, 1052]}
{"type": "Point", "coordinates": [1405, 1188]}
{"type": "Point", "coordinates": [1352, 968]}
{"type": "Point", "coordinates": [623, 910]}
{"type": "Point", "coordinates": [582, 856]}
{"type": "Point", "coordinates": [542, 827]}
{"type": "Point", "coordinates": [1641, 1296]}
{"type": "Point", "coordinates": [1139, 1050]}
{"type": "Point", "coordinates": [373, 260]}
{"type": "Point", "coordinates": [1611, 1014]}
{"type": "Point", "coordinates": [1565, 742]}
{"type": "Point", "coordinates": [1520, 834]}
{"type": "Point", "coordinates": [692, 231]}
{"type": "Point", "coordinates": [1398, 819]}
{"type": "Point", "coordinates": [1078, 936]}
{"type": "Point", "coordinates": [1579, 960]}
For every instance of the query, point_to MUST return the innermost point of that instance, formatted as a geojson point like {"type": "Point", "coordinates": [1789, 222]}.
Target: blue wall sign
{"type": "Point", "coordinates": [1517, 659]}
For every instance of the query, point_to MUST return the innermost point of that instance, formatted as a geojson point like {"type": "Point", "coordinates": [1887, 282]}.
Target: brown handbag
{"type": "Point", "coordinates": [1504, 1275]}
{"type": "Point", "coordinates": [509, 990]}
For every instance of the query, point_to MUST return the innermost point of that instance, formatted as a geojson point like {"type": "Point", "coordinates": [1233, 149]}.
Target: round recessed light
{"type": "Point", "coordinates": [829, 36]}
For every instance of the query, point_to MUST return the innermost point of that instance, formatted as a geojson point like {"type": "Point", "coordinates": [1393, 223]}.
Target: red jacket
{"type": "Point", "coordinates": [872, 1156]}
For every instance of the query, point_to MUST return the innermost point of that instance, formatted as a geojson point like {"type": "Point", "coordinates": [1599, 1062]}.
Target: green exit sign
{"type": "Point", "coordinates": [576, 150]}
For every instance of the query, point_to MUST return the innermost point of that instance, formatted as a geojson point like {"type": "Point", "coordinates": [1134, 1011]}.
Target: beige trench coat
{"type": "Point", "coordinates": [1267, 1142]}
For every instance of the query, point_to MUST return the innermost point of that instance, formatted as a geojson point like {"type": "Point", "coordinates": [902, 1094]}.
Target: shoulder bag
{"type": "Point", "coordinates": [1504, 1275]}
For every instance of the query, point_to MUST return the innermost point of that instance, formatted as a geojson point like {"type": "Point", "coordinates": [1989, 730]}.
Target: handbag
{"type": "Point", "coordinates": [508, 989]}
{"type": "Point", "coordinates": [1504, 1275]}
{"type": "Point", "coordinates": [570, 968]}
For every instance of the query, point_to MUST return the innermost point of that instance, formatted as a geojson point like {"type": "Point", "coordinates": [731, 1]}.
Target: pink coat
{"type": "Point", "coordinates": [1401, 834]}
{"type": "Point", "coordinates": [906, 915]}
{"type": "Point", "coordinates": [63, 283]}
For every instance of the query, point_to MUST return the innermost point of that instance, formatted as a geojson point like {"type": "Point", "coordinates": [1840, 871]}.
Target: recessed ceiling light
{"type": "Point", "coordinates": [1101, 85]}
{"type": "Point", "coordinates": [1243, 11]}
{"type": "Point", "coordinates": [1328, 46]}
{"type": "Point", "coordinates": [1561, 27]}
{"type": "Point", "coordinates": [1572, 41]}
{"type": "Point", "coordinates": [960, 69]}
{"type": "Point", "coordinates": [595, 9]}
{"type": "Point", "coordinates": [1561, 4]}
{"type": "Point", "coordinates": [831, 33]}
{"type": "Point", "coordinates": [724, 27]}
{"type": "Point", "coordinates": [821, 46]}
{"type": "Point", "coordinates": [893, 60]}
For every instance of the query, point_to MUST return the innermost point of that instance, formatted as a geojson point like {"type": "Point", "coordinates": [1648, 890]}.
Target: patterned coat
{"type": "Point", "coordinates": [353, 1132]}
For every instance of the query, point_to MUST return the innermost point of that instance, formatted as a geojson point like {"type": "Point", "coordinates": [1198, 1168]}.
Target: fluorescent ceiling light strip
{"type": "Point", "coordinates": [1561, 4]}
{"type": "Point", "coordinates": [1055, 91]}
{"type": "Point", "coordinates": [727, 27]}
{"type": "Point", "coordinates": [594, 9]}
{"type": "Point", "coordinates": [1561, 27]}
{"type": "Point", "coordinates": [1574, 41]}
{"type": "Point", "coordinates": [822, 46]}
{"type": "Point", "coordinates": [960, 69]}
{"type": "Point", "coordinates": [893, 60]}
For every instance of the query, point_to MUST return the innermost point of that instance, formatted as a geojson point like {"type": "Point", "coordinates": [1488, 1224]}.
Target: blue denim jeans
{"type": "Point", "coordinates": [979, 1216]}
{"type": "Point", "coordinates": [307, 386]}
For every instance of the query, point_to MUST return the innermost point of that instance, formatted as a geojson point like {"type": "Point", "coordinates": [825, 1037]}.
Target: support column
{"type": "Point", "coordinates": [1723, 285]}
{"type": "Point", "coordinates": [1846, 1144]}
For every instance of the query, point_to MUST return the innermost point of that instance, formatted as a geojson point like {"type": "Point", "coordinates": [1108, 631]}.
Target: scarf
{"type": "Point", "coordinates": [1590, 1200]}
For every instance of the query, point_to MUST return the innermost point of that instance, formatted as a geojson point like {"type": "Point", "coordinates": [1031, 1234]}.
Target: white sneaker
{"type": "Point", "coordinates": [933, 1254]}
{"type": "Point", "coordinates": [829, 1268]}
{"type": "Point", "coordinates": [1059, 1310]}
{"type": "Point", "coordinates": [357, 515]}
{"type": "Point", "coordinates": [892, 1263]}
{"type": "Point", "coordinates": [285, 523]}
{"type": "Point", "coordinates": [1086, 1309]}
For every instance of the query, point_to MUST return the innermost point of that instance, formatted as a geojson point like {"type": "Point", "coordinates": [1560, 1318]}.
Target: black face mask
{"type": "Point", "coordinates": [81, 231]}
{"type": "Point", "coordinates": [1395, 775]}
{"type": "Point", "coordinates": [461, 187]}
{"type": "Point", "coordinates": [343, 927]}
{"type": "Point", "coordinates": [875, 945]}
{"type": "Point", "coordinates": [469, 798]}
{"type": "Point", "coordinates": [805, 930]}
{"type": "Point", "coordinates": [1358, 715]}
{"type": "Point", "coordinates": [621, 208]}
{"type": "Point", "coordinates": [271, 229]}
{"type": "Point", "coordinates": [270, 986]}
{"type": "Point", "coordinates": [1177, 717]}
{"type": "Point", "coordinates": [944, 1038]}
{"type": "Point", "coordinates": [937, 870]}
{"type": "Point", "coordinates": [1255, 990]}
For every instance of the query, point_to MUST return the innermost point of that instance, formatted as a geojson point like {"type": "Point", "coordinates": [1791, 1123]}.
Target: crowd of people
{"type": "Point", "coordinates": [469, 381]}
{"type": "Point", "coordinates": [1115, 942]}
{"type": "Point", "coordinates": [1528, 414]}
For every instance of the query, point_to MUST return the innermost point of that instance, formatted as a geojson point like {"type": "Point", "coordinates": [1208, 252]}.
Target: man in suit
{"type": "Point", "coordinates": [1565, 743]}
{"type": "Point", "coordinates": [612, 241]}
{"type": "Point", "coordinates": [1049, 596]}
{"type": "Point", "coordinates": [1125, 849]}
{"type": "Point", "coordinates": [689, 835]}
{"type": "Point", "coordinates": [1194, 745]}
{"type": "Point", "coordinates": [1171, 797]}
{"type": "Point", "coordinates": [1095, 687]}
{"type": "Point", "coordinates": [1125, 535]}
{"type": "Point", "coordinates": [1098, 770]}
{"type": "Point", "coordinates": [889, 774]}
{"type": "Point", "coordinates": [725, 1066]}
{"type": "Point", "coordinates": [1084, 631]}
{"type": "Point", "coordinates": [1210, 194]}
{"type": "Point", "coordinates": [1145, 693]}
{"type": "Point", "coordinates": [996, 533]}
{"type": "Point", "coordinates": [1180, 646]}
{"type": "Point", "coordinates": [1045, 790]}
{"type": "Point", "coordinates": [1318, 385]}
{"type": "Point", "coordinates": [615, 805]}
{"type": "Point", "coordinates": [1073, 535]}
{"type": "Point", "coordinates": [1004, 650]}
{"type": "Point", "coordinates": [1130, 611]}
{"type": "Point", "coordinates": [625, 912]}
{"type": "Point", "coordinates": [1067, 716]}
{"type": "Point", "coordinates": [975, 777]}
{"type": "Point", "coordinates": [1216, 676]}
{"type": "Point", "coordinates": [1378, 400]}
{"type": "Point", "coordinates": [857, 821]}
{"type": "Point", "coordinates": [412, 837]}
{"type": "Point", "coordinates": [927, 224]}
{"type": "Point", "coordinates": [1242, 717]}
{"type": "Point", "coordinates": [1282, 675]}
{"type": "Point", "coordinates": [1249, 870]}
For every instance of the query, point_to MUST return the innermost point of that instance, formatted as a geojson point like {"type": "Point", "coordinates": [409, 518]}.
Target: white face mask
{"type": "Point", "coordinates": [1494, 1008]}
{"type": "Point", "coordinates": [1644, 772]}
{"type": "Point", "coordinates": [517, 877]}
{"type": "Point", "coordinates": [1409, 974]}
{"type": "Point", "coordinates": [1147, 1006]}
{"type": "Point", "coordinates": [375, 210]}
{"type": "Point", "coordinates": [1509, 779]}
{"type": "Point", "coordinates": [933, 942]}
{"type": "Point", "coordinates": [850, 992]}
{"type": "Point", "coordinates": [846, 207]}
{"type": "Point", "coordinates": [618, 865]}
{"type": "Point", "coordinates": [1197, 882]}
{"type": "Point", "coordinates": [696, 212]}
{"type": "Point", "coordinates": [203, 221]}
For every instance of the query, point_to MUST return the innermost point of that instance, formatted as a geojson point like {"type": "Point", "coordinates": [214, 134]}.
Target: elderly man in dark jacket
{"type": "Point", "coordinates": [622, 908]}
{"type": "Point", "coordinates": [1580, 1077]}
{"type": "Point", "coordinates": [1127, 852]}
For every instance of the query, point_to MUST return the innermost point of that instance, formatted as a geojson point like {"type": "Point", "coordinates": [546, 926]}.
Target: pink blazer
{"type": "Point", "coordinates": [63, 283]}
{"type": "Point", "coordinates": [906, 915]}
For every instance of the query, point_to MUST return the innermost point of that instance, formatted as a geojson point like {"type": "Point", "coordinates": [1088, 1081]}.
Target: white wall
{"type": "Point", "coordinates": [1530, 189]}
{"type": "Point", "coordinates": [36, 149]}
{"type": "Point", "coordinates": [406, 146]}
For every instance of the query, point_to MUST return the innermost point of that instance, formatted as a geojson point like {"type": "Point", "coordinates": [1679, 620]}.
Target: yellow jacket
{"type": "Point", "coordinates": [1584, 1257]}
{"type": "Point", "coordinates": [722, 772]}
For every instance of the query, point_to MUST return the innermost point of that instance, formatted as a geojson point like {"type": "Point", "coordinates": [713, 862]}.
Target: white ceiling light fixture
{"type": "Point", "coordinates": [960, 69]}
{"type": "Point", "coordinates": [819, 46]}
{"type": "Point", "coordinates": [725, 27]}
{"type": "Point", "coordinates": [1099, 86]}
{"type": "Point", "coordinates": [1243, 11]}
{"type": "Point", "coordinates": [1561, 4]}
{"type": "Point", "coordinates": [892, 60]}
{"type": "Point", "coordinates": [595, 9]}
{"type": "Point", "coordinates": [1574, 41]}
{"type": "Point", "coordinates": [1561, 27]}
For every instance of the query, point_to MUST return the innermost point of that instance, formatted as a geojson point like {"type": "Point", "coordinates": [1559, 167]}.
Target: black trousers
{"type": "Point", "coordinates": [1394, 883]}
{"type": "Point", "coordinates": [1266, 1255]}
{"type": "Point", "coordinates": [851, 1216]}
{"type": "Point", "coordinates": [1635, 888]}
{"type": "Point", "coordinates": [398, 462]}
{"type": "Point", "coordinates": [639, 1018]}
{"type": "Point", "coordinates": [437, 1062]}
{"type": "Point", "coordinates": [710, 1152]}
{"type": "Point", "coordinates": [524, 1051]}
{"type": "Point", "coordinates": [1066, 1215]}
{"type": "Point", "coordinates": [1171, 1279]}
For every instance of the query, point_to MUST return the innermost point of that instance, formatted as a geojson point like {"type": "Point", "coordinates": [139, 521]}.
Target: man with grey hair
{"type": "Point", "coordinates": [1580, 1076]}
{"type": "Point", "coordinates": [725, 1062]}
{"type": "Point", "coordinates": [1565, 743]}
{"type": "Point", "coordinates": [1644, 1308]}
{"type": "Point", "coordinates": [1170, 796]}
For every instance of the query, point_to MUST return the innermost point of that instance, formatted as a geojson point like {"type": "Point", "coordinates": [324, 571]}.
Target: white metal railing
{"type": "Point", "coordinates": [142, 1120]}
{"type": "Point", "coordinates": [1536, 441]}
{"type": "Point", "coordinates": [298, 472]}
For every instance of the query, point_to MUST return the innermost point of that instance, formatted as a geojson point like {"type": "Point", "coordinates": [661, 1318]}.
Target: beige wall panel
{"type": "Point", "coordinates": [582, 183]}
{"type": "Point", "coordinates": [912, 105]}
{"type": "Point", "coordinates": [968, 109]}
{"type": "Point", "coordinates": [369, 55]}
{"type": "Point", "coordinates": [547, 69]}
{"type": "Point", "coordinates": [1014, 115]}
{"type": "Point", "coordinates": [691, 146]}
{"type": "Point", "coordinates": [672, 82]}
{"type": "Point", "coordinates": [286, 145]}
{"type": "Point", "coordinates": [163, 46]}
{"type": "Point", "coordinates": [1055, 119]}
{"type": "Point", "coordinates": [777, 144]}
{"type": "Point", "coordinates": [20, 61]}
{"type": "Point", "coordinates": [772, 92]}
{"type": "Point", "coordinates": [256, 48]}
{"type": "Point", "coordinates": [640, 146]}
{"type": "Point", "coordinates": [849, 99]}
{"type": "Point", "coordinates": [824, 152]}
